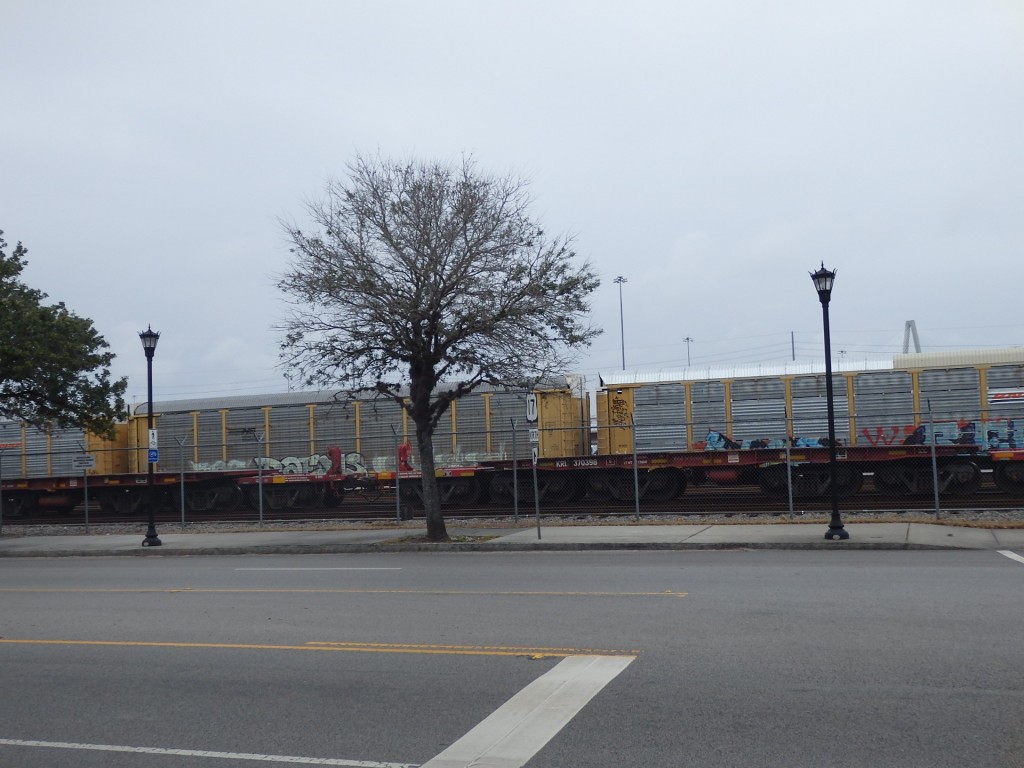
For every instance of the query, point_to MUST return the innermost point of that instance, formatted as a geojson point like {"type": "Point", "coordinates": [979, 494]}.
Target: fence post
{"type": "Point", "coordinates": [181, 475]}
{"type": "Point", "coordinates": [789, 459]}
{"type": "Point", "coordinates": [398, 469]}
{"type": "Point", "coordinates": [935, 463]}
{"type": "Point", "coordinates": [515, 475]}
{"type": "Point", "coordinates": [536, 491]}
{"type": "Point", "coordinates": [636, 471]}
{"type": "Point", "coordinates": [258, 436]}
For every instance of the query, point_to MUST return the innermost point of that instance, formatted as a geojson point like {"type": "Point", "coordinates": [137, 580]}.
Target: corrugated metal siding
{"type": "Point", "coordinates": [1005, 417]}
{"type": "Point", "coordinates": [10, 464]}
{"type": "Point", "coordinates": [708, 400]}
{"type": "Point", "coordinates": [377, 440]}
{"type": "Point", "coordinates": [209, 441]}
{"type": "Point", "coordinates": [170, 429]}
{"type": "Point", "coordinates": [66, 444]}
{"type": "Point", "coordinates": [758, 409]}
{"type": "Point", "coordinates": [289, 432]}
{"type": "Point", "coordinates": [950, 394]}
{"type": "Point", "coordinates": [810, 408]}
{"type": "Point", "coordinates": [335, 424]}
{"type": "Point", "coordinates": [660, 415]}
{"type": "Point", "coordinates": [506, 407]}
{"type": "Point", "coordinates": [885, 407]}
{"type": "Point", "coordinates": [471, 429]}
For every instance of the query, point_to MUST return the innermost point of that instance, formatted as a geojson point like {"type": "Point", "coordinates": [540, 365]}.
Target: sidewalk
{"type": "Point", "coordinates": [594, 537]}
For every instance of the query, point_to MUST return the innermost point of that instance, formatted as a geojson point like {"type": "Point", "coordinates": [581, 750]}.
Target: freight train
{"type": "Point", "coordinates": [905, 425]}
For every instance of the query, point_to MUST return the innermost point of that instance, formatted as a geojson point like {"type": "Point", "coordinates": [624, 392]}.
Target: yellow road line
{"type": "Point", "coordinates": [351, 647]}
{"type": "Point", "coordinates": [451, 592]}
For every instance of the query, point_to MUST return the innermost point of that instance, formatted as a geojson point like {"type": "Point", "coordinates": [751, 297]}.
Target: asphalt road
{"type": "Point", "coordinates": [545, 659]}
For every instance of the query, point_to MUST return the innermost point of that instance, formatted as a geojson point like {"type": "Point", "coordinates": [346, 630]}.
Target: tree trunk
{"type": "Point", "coordinates": [436, 529]}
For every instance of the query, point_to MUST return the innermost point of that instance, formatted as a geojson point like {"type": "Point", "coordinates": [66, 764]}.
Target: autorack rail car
{"type": "Point", "coordinates": [891, 417]}
{"type": "Point", "coordinates": [298, 450]}
{"type": "Point", "coordinates": [765, 427]}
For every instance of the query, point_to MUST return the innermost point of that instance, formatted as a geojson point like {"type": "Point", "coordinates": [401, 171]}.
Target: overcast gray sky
{"type": "Point", "coordinates": [713, 153]}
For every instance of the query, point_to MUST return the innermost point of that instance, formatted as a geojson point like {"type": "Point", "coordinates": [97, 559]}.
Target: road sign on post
{"type": "Point", "coordinates": [154, 456]}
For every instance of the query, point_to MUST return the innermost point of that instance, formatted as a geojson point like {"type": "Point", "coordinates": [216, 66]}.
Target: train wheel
{"type": "Point", "coordinates": [219, 498]}
{"type": "Point", "coordinates": [559, 488]}
{"type": "Point", "coordinates": [1009, 477]}
{"type": "Point", "coordinates": [500, 488]}
{"type": "Point", "coordinates": [661, 485]}
{"type": "Point", "coordinates": [308, 497]}
{"type": "Point", "coordinates": [121, 502]}
{"type": "Point", "coordinates": [849, 480]}
{"type": "Point", "coordinates": [460, 491]}
{"type": "Point", "coordinates": [893, 480]}
{"type": "Point", "coordinates": [772, 479]}
{"type": "Point", "coordinates": [959, 478]}
{"type": "Point", "coordinates": [598, 487]}
{"type": "Point", "coordinates": [621, 485]}
{"type": "Point", "coordinates": [333, 496]}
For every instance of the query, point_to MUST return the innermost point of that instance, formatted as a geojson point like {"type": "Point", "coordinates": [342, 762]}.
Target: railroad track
{"type": "Point", "coordinates": [702, 500]}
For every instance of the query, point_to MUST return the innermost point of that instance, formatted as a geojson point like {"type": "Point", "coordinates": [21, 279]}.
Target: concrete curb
{"type": "Point", "coordinates": [383, 548]}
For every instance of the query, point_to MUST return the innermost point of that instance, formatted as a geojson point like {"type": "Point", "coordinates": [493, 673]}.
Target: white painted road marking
{"type": "Point", "coordinates": [318, 569]}
{"type": "Point", "coordinates": [205, 753]}
{"type": "Point", "coordinates": [1011, 555]}
{"type": "Point", "coordinates": [507, 738]}
{"type": "Point", "coordinates": [520, 727]}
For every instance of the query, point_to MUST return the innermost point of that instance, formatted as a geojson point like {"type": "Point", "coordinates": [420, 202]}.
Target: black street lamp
{"type": "Point", "coordinates": [622, 325]}
{"type": "Point", "coordinates": [149, 339]}
{"type": "Point", "coordinates": [823, 280]}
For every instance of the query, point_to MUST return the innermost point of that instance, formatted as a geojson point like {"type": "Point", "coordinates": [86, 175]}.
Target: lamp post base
{"type": "Point", "coordinates": [151, 540]}
{"type": "Point", "coordinates": [837, 533]}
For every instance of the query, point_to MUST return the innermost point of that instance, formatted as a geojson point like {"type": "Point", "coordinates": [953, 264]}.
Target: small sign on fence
{"type": "Point", "coordinates": [83, 462]}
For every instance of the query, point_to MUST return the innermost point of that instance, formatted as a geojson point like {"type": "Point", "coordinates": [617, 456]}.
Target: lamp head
{"type": "Point", "coordinates": [149, 339]}
{"type": "Point", "coordinates": [823, 280]}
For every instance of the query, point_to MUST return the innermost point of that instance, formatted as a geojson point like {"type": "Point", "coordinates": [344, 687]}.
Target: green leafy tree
{"type": "Point", "coordinates": [430, 273]}
{"type": "Point", "coordinates": [54, 367]}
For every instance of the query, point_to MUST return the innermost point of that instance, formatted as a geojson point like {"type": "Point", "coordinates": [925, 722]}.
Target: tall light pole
{"type": "Point", "coordinates": [149, 339]}
{"type": "Point", "coordinates": [688, 339]}
{"type": "Point", "coordinates": [823, 280]}
{"type": "Point", "coordinates": [622, 327]}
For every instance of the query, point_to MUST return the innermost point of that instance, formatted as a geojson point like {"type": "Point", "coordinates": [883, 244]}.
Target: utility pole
{"type": "Point", "coordinates": [622, 327]}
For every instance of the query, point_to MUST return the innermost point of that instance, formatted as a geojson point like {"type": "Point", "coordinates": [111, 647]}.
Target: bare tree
{"type": "Point", "coordinates": [430, 273]}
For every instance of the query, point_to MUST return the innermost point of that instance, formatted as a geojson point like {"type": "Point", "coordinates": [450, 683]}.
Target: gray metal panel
{"type": "Point", "coordinates": [758, 409]}
{"type": "Point", "coordinates": [65, 445]}
{"type": "Point", "coordinates": [289, 432]}
{"type": "Point", "coordinates": [377, 440]}
{"type": "Point", "coordinates": [660, 415]}
{"type": "Point", "coordinates": [950, 394]}
{"type": "Point", "coordinates": [1005, 405]}
{"type": "Point", "coordinates": [170, 429]}
{"type": "Point", "coordinates": [810, 408]}
{"type": "Point", "coordinates": [334, 424]}
{"type": "Point", "coordinates": [884, 403]}
{"type": "Point", "coordinates": [10, 464]}
{"type": "Point", "coordinates": [507, 407]}
{"type": "Point", "coordinates": [209, 441]}
{"type": "Point", "coordinates": [708, 402]}
{"type": "Point", "coordinates": [471, 431]}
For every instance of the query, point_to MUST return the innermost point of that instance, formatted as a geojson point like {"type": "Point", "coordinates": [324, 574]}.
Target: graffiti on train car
{"type": "Point", "coordinates": [315, 464]}
{"type": "Point", "coordinates": [998, 433]}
